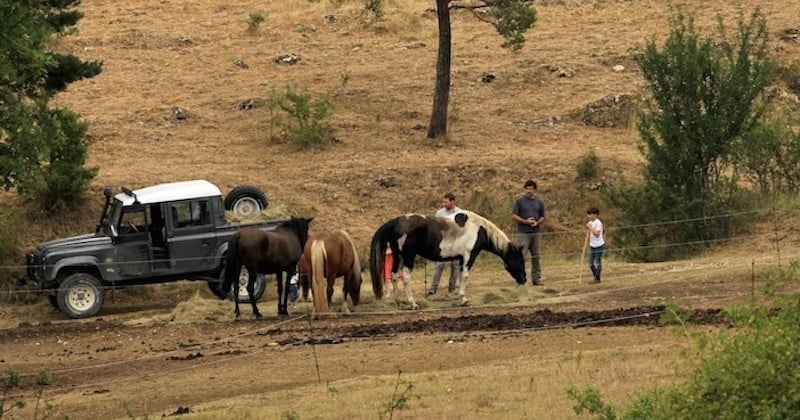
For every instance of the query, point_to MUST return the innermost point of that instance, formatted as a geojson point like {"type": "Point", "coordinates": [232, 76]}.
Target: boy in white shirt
{"type": "Point", "coordinates": [293, 290]}
{"type": "Point", "coordinates": [597, 243]}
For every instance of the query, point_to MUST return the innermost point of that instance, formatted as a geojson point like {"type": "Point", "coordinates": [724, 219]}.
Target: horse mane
{"type": "Point", "coordinates": [495, 234]}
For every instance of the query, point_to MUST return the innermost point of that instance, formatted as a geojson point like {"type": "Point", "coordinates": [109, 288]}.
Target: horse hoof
{"type": "Point", "coordinates": [464, 302]}
{"type": "Point", "coordinates": [257, 315]}
{"type": "Point", "coordinates": [414, 307]}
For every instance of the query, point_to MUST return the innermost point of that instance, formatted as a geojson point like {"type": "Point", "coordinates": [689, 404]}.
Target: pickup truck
{"type": "Point", "coordinates": [163, 233]}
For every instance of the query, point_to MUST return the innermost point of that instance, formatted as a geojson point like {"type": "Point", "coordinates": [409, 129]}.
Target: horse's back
{"type": "Point", "coordinates": [250, 243]}
{"type": "Point", "coordinates": [270, 250]}
{"type": "Point", "coordinates": [339, 251]}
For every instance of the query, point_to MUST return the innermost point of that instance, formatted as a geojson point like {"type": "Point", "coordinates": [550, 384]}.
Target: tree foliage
{"type": "Point", "coordinates": [769, 156]}
{"type": "Point", "coordinates": [42, 150]}
{"type": "Point", "coordinates": [705, 95]}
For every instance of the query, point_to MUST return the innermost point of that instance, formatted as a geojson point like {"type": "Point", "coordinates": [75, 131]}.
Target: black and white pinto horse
{"type": "Point", "coordinates": [459, 237]}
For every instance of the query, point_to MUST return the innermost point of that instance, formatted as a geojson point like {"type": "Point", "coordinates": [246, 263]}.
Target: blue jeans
{"type": "Point", "coordinates": [596, 260]}
{"type": "Point", "coordinates": [293, 295]}
{"type": "Point", "coordinates": [455, 270]}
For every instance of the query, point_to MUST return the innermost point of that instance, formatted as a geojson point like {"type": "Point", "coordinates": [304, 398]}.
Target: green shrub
{"type": "Point", "coordinates": [588, 166]}
{"type": "Point", "coordinates": [255, 20]}
{"type": "Point", "coordinates": [749, 372]}
{"type": "Point", "coordinates": [13, 380]}
{"type": "Point", "coordinates": [403, 393]}
{"type": "Point", "coordinates": [769, 156]}
{"type": "Point", "coordinates": [658, 229]}
{"type": "Point", "coordinates": [302, 118]}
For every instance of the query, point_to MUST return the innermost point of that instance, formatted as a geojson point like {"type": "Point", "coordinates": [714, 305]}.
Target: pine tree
{"type": "Point", "coordinates": [42, 151]}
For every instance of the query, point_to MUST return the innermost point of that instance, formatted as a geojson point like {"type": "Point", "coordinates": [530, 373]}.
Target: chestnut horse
{"type": "Point", "coordinates": [326, 256]}
{"type": "Point", "coordinates": [459, 237]}
{"type": "Point", "coordinates": [271, 252]}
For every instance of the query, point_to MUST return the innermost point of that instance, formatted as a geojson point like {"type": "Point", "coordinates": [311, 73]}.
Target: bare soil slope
{"type": "Point", "coordinates": [526, 123]}
{"type": "Point", "coordinates": [173, 349]}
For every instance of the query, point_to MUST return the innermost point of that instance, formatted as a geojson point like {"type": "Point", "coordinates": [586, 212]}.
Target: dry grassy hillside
{"type": "Point", "coordinates": [163, 54]}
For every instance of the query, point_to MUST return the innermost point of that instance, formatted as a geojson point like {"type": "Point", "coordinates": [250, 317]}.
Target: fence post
{"type": "Point", "coordinates": [777, 238]}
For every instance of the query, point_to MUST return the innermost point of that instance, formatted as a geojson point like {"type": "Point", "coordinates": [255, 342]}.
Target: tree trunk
{"type": "Point", "coordinates": [441, 94]}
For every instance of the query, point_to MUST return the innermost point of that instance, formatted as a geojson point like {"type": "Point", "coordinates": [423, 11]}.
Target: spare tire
{"type": "Point", "coordinates": [246, 200]}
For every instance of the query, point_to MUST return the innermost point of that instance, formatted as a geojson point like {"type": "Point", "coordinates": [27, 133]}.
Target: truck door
{"type": "Point", "coordinates": [132, 250]}
{"type": "Point", "coordinates": [191, 235]}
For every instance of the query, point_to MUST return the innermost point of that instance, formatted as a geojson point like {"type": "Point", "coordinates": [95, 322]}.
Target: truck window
{"type": "Point", "coordinates": [191, 214]}
{"type": "Point", "coordinates": [133, 220]}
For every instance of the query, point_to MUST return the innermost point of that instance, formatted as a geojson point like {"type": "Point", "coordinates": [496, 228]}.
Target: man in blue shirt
{"type": "Point", "coordinates": [528, 213]}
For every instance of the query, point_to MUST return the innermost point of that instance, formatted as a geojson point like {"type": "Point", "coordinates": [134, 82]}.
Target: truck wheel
{"type": "Point", "coordinates": [80, 296]}
{"type": "Point", "coordinates": [258, 288]}
{"type": "Point", "coordinates": [216, 288]}
{"type": "Point", "coordinates": [245, 200]}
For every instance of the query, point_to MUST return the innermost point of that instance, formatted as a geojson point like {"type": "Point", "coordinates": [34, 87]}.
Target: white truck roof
{"type": "Point", "coordinates": [173, 191]}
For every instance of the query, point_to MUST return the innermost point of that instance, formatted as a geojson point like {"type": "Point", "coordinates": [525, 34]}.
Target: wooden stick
{"type": "Point", "coordinates": [583, 256]}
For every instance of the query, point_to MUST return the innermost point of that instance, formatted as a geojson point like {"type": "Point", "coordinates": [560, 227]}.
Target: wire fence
{"type": "Point", "coordinates": [775, 237]}
{"type": "Point", "coordinates": [741, 266]}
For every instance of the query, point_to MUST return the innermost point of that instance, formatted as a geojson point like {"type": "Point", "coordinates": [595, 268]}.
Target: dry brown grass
{"type": "Point", "coordinates": [526, 386]}
{"type": "Point", "coordinates": [159, 55]}
{"type": "Point", "coordinates": [163, 54]}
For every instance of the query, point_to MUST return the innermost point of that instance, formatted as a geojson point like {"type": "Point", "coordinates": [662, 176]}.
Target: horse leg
{"type": "Point", "coordinates": [286, 293]}
{"type": "Point", "coordinates": [282, 300]}
{"type": "Point", "coordinates": [236, 301]}
{"type": "Point", "coordinates": [462, 287]}
{"type": "Point", "coordinates": [394, 287]}
{"type": "Point", "coordinates": [406, 282]}
{"type": "Point", "coordinates": [251, 291]}
{"type": "Point", "coordinates": [345, 281]}
{"type": "Point", "coordinates": [304, 286]}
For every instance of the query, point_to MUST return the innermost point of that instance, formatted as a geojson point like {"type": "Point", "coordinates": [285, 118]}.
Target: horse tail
{"type": "Point", "coordinates": [355, 288]}
{"type": "Point", "coordinates": [318, 279]}
{"type": "Point", "coordinates": [377, 257]}
{"type": "Point", "coordinates": [233, 264]}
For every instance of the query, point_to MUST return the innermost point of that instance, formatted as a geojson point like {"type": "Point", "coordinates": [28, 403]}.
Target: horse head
{"type": "Point", "coordinates": [300, 227]}
{"type": "Point", "coordinates": [514, 263]}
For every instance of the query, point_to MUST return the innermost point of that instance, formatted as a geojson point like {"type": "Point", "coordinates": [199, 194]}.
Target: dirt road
{"type": "Point", "coordinates": [139, 359]}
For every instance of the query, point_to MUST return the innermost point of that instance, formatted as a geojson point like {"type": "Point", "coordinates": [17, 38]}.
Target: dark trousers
{"type": "Point", "coordinates": [530, 242]}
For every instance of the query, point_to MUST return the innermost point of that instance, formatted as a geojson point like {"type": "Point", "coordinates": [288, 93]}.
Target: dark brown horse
{"type": "Point", "coordinates": [273, 252]}
{"type": "Point", "coordinates": [329, 255]}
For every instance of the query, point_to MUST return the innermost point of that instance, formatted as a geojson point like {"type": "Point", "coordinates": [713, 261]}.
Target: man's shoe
{"type": "Point", "coordinates": [537, 283]}
{"type": "Point", "coordinates": [595, 281]}
{"type": "Point", "coordinates": [431, 292]}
